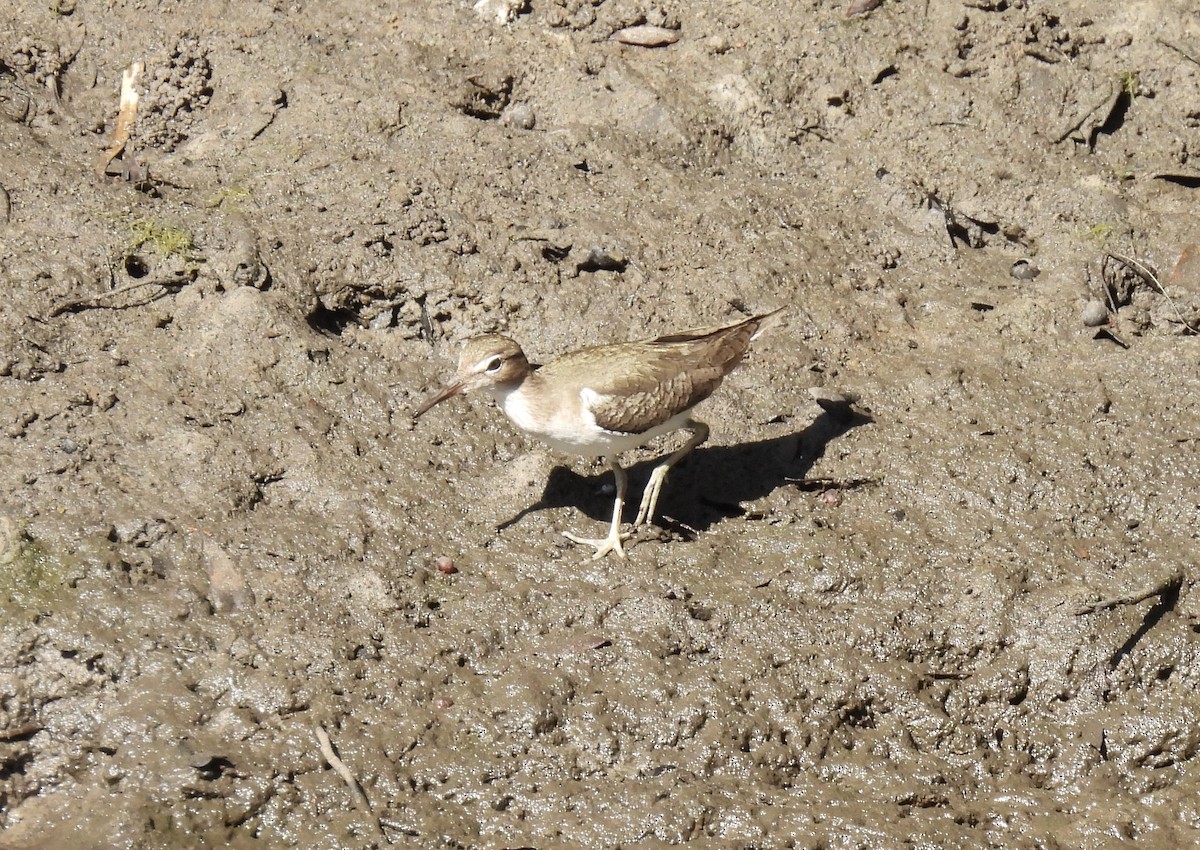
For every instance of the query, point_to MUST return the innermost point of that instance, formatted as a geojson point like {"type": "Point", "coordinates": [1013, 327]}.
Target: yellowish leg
{"type": "Point", "coordinates": [612, 543]}
{"type": "Point", "coordinates": [654, 485]}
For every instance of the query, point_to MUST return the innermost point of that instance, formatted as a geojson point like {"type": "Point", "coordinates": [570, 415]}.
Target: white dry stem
{"type": "Point", "coordinates": [126, 116]}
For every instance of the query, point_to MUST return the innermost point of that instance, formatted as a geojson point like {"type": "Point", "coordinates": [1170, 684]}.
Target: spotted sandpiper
{"type": "Point", "coordinates": [606, 399]}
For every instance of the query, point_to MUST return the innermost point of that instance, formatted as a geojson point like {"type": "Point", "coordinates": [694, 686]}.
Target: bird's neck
{"type": "Point", "coordinates": [529, 402]}
{"type": "Point", "coordinates": [523, 390]}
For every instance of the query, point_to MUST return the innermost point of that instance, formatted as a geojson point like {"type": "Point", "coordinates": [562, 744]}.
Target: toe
{"type": "Point", "coordinates": [602, 545]}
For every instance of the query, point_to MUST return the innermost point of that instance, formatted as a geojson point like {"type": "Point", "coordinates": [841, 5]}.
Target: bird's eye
{"type": "Point", "coordinates": [492, 366]}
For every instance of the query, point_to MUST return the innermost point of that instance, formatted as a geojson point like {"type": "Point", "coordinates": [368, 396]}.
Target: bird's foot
{"type": "Point", "coordinates": [604, 545]}
{"type": "Point", "coordinates": [650, 495]}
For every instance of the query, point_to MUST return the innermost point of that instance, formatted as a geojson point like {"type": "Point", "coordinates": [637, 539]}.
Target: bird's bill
{"type": "Point", "coordinates": [444, 393]}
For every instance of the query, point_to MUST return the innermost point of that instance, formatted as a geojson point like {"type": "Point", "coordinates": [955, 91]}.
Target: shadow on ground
{"type": "Point", "coordinates": [710, 484]}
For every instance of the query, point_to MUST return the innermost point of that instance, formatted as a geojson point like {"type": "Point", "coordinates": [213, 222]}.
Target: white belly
{"type": "Point", "coordinates": [573, 429]}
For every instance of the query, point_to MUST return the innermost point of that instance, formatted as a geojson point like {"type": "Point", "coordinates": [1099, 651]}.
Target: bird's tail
{"type": "Point", "coordinates": [765, 322]}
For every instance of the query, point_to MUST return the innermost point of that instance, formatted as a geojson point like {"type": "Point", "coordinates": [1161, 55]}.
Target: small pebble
{"type": "Point", "coordinates": [520, 116]}
{"type": "Point", "coordinates": [1094, 313]}
{"type": "Point", "coordinates": [248, 269]}
{"type": "Point", "coordinates": [500, 11]}
{"type": "Point", "coordinates": [445, 565]}
{"type": "Point", "coordinates": [645, 35]}
{"type": "Point", "coordinates": [442, 703]}
{"type": "Point", "coordinates": [717, 44]}
{"type": "Point", "coordinates": [383, 320]}
{"type": "Point", "coordinates": [861, 7]}
{"type": "Point", "coordinates": [1024, 270]}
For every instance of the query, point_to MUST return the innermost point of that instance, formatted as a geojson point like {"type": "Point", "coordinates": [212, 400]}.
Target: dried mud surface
{"type": "Point", "coordinates": [220, 529]}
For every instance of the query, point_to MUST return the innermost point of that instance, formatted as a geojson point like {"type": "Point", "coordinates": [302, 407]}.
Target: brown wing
{"type": "Point", "coordinates": [659, 379]}
{"type": "Point", "coordinates": [638, 385]}
{"type": "Point", "coordinates": [650, 395]}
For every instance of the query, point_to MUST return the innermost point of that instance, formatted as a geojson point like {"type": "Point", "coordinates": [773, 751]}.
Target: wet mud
{"type": "Point", "coordinates": [930, 583]}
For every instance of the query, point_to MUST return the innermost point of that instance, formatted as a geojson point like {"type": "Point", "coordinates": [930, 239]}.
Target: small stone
{"type": "Point", "coordinates": [1094, 313]}
{"type": "Point", "coordinates": [383, 320]}
{"type": "Point", "coordinates": [519, 116]}
{"type": "Point", "coordinates": [717, 44]}
{"type": "Point", "coordinates": [1186, 273]}
{"type": "Point", "coordinates": [445, 565]}
{"type": "Point", "coordinates": [1024, 270]}
{"type": "Point", "coordinates": [248, 269]}
{"type": "Point", "coordinates": [645, 35]}
{"type": "Point", "coordinates": [500, 11]}
{"type": "Point", "coordinates": [862, 7]}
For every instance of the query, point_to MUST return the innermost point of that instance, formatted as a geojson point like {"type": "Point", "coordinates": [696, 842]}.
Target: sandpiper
{"type": "Point", "coordinates": [606, 399]}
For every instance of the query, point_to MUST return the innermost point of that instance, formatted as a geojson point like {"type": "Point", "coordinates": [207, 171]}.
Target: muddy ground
{"type": "Point", "coordinates": [867, 628]}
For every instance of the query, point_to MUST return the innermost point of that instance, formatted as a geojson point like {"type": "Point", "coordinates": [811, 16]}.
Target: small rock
{"type": "Point", "coordinates": [1186, 273]}
{"type": "Point", "coordinates": [717, 44]}
{"type": "Point", "coordinates": [645, 35]}
{"type": "Point", "coordinates": [520, 116]}
{"type": "Point", "coordinates": [500, 11]}
{"type": "Point", "coordinates": [445, 565]}
{"type": "Point", "coordinates": [1024, 270]}
{"type": "Point", "coordinates": [227, 588]}
{"type": "Point", "coordinates": [383, 320]}
{"type": "Point", "coordinates": [862, 7]}
{"type": "Point", "coordinates": [248, 269]}
{"type": "Point", "coordinates": [1094, 313]}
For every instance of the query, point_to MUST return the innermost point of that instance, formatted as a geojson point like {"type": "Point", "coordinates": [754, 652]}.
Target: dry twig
{"type": "Point", "coordinates": [1179, 50]}
{"type": "Point", "coordinates": [94, 302]}
{"type": "Point", "coordinates": [1147, 274]}
{"type": "Point", "coordinates": [21, 731]}
{"type": "Point", "coordinates": [126, 117]}
{"type": "Point", "coordinates": [832, 483]}
{"type": "Point", "coordinates": [339, 767]}
{"type": "Point", "coordinates": [1168, 585]}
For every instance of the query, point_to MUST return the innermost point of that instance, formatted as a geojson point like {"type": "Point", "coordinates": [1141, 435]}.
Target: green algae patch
{"type": "Point", "coordinates": [30, 577]}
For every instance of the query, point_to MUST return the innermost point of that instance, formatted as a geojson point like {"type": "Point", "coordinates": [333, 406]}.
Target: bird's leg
{"type": "Point", "coordinates": [612, 543]}
{"type": "Point", "coordinates": [654, 485]}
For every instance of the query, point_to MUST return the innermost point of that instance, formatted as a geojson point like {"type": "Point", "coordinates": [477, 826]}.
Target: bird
{"type": "Point", "coordinates": [603, 400]}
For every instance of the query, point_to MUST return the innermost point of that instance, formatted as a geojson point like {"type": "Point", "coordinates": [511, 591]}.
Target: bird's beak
{"type": "Point", "coordinates": [444, 393]}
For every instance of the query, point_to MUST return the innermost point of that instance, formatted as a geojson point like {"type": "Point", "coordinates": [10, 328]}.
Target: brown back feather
{"type": "Point", "coordinates": [663, 377]}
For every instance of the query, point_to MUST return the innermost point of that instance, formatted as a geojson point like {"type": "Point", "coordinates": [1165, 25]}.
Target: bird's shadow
{"type": "Point", "coordinates": [1167, 600]}
{"type": "Point", "coordinates": [709, 484]}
